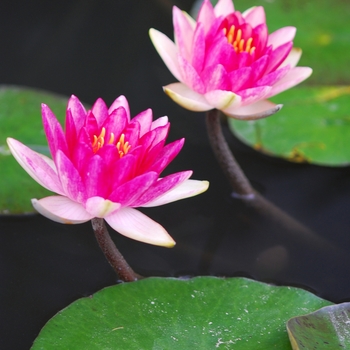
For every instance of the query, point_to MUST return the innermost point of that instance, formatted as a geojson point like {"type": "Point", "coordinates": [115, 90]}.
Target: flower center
{"type": "Point", "coordinates": [122, 146]}
{"type": "Point", "coordinates": [234, 37]}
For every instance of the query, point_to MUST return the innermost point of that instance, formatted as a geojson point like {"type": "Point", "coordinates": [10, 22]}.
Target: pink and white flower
{"type": "Point", "coordinates": [105, 164]}
{"type": "Point", "coordinates": [228, 61]}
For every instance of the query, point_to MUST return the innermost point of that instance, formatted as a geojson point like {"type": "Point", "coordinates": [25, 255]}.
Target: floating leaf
{"type": "Point", "coordinates": [169, 313]}
{"type": "Point", "coordinates": [20, 118]}
{"type": "Point", "coordinates": [313, 126]}
{"type": "Point", "coordinates": [327, 328]}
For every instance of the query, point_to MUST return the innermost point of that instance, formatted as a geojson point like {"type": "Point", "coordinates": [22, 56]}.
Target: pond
{"type": "Point", "coordinates": [101, 49]}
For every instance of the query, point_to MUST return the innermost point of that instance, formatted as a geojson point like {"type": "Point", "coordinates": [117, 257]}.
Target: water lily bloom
{"type": "Point", "coordinates": [105, 164]}
{"type": "Point", "coordinates": [228, 61]}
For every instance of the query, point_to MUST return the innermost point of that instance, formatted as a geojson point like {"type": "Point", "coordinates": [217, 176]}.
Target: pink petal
{"type": "Point", "coordinates": [61, 209]}
{"type": "Point", "coordinates": [257, 110]}
{"type": "Point", "coordinates": [123, 170]}
{"type": "Point", "coordinates": [162, 121]}
{"type": "Point", "coordinates": [293, 58]}
{"type": "Point", "coordinates": [130, 191]}
{"type": "Point", "coordinates": [224, 8]}
{"type": "Point", "coordinates": [167, 154]}
{"type": "Point", "coordinates": [254, 94]}
{"type": "Point", "coordinates": [41, 168]}
{"type": "Point", "coordinates": [239, 78]}
{"type": "Point", "coordinates": [99, 207]}
{"type": "Point", "coordinates": [292, 78]}
{"type": "Point", "coordinates": [71, 131]}
{"type": "Point", "coordinates": [258, 68]}
{"type": "Point", "coordinates": [278, 56]}
{"type": "Point", "coordinates": [53, 130]}
{"type": "Point", "coordinates": [160, 187]}
{"type": "Point", "coordinates": [133, 224]}
{"type": "Point", "coordinates": [187, 98]}
{"type": "Point", "coordinates": [78, 112]}
{"type": "Point", "coordinates": [190, 76]}
{"type": "Point", "coordinates": [215, 78]}
{"type": "Point", "coordinates": [100, 111]}
{"type": "Point", "coordinates": [145, 120]}
{"type": "Point", "coordinates": [116, 123]}
{"type": "Point", "coordinates": [198, 52]}
{"type": "Point", "coordinates": [221, 99]}
{"type": "Point", "coordinates": [272, 78]}
{"type": "Point", "coordinates": [70, 179]}
{"type": "Point", "coordinates": [186, 189]}
{"type": "Point", "coordinates": [183, 33]}
{"type": "Point", "coordinates": [167, 50]}
{"type": "Point", "coordinates": [121, 101]}
{"type": "Point", "coordinates": [255, 16]}
{"type": "Point", "coordinates": [206, 15]}
{"type": "Point", "coordinates": [281, 36]}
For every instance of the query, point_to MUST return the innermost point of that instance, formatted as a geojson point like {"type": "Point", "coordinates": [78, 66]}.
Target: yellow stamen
{"type": "Point", "coordinates": [122, 146]}
{"type": "Point", "coordinates": [231, 34]}
{"type": "Point", "coordinates": [99, 140]}
{"type": "Point", "coordinates": [239, 44]}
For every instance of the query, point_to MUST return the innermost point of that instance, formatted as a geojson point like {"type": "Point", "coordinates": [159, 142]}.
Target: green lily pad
{"type": "Point", "coordinates": [327, 328]}
{"type": "Point", "coordinates": [20, 118]}
{"type": "Point", "coordinates": [169, 313]}
{"type": "Point", "coordinates": [313, 126]}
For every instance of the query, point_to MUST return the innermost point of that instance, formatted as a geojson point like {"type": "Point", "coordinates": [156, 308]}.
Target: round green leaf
{"type": "Point", "coordinates": [20, 118]}
{"type": "Point", "coordinates": [327, 328]}
{"type": "Point", "coordinates": [313, 126]}
{"type": "Point", "coordinates": [169, 313]}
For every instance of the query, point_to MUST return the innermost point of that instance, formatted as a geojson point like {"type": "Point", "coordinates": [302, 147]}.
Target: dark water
{"type": "Point", "coordinates": [101, 49]}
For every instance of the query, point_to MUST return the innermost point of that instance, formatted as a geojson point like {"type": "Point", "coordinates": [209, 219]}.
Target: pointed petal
{"type": "Point", "coordinates": [145, 120]}
{"type": "Point", "coordinates": [162, 121]}
{"type": "Point", "coordinates": [221, 99]}
{"type": "Point", "coordinates": [183, 33]}
{"type": "Point", "coordinates": [186, 189]}
{"type": "Point", "coordinates": [99, 207]}
{"type": "Point", "coordinates": [100, 111]}
{"type": "Point", "coordinates": [293, 77]}
{"type": "Point", "coordinates": [273, 77]}
{"type": "Point", "coordinates": [239, 78]}
{"type": "Point", "coordinates": [41, 168]}
{"type": "Point", "coordinates": [116, 123]}
{"type": "Point", "coordinates": [166, 155]}
{"type": "Point", "coordinates": [167, 50]}
{"type": "Point", "coordinates": [121, 101]}
{"type": "Point", "coordinates": [257, 110]}
{"type": "Point", "coordinates": [78, 112]}
{"type": "Point", "coordinates": [206, 15]}
{"type": "Point", "coordinates": [160, 187]}
{"type": "Point", "coordinates": [187, 98]}
{"type": "Point", "coordinates": [224, 8]}
{"type": "Point", "coordinates": [278, 55]}
{"type": "Point", "coordinates": [129, 192]}
{"type": "Point", "coordinates": [293, 58]}
{"type": "Point", "coordinates": [61, 209]}
{"type": "Point", "coordinates": [133, 224]}
{"type": "Point", "coordinates": [198, 54]}
{"type": "Point", "coordinates": [281, 36]}
{"type": "Point", "coordinates": [255, 16]}
{"type": "Point", "coordinates": [54, 132]}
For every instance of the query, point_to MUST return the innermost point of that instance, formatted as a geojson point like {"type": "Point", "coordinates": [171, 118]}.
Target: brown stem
{"type": "Point", "coordinates": [112, 254]}
{"type": "Point", "coordinates": [244, 190]}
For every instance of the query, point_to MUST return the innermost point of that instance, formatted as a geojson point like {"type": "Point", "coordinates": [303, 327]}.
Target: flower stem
{"type": "Point", "coordinates": [112, 254]}
{"type": "Point", "coordinates": [244, 190]}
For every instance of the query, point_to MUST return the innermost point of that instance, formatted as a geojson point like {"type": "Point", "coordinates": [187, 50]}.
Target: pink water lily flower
{"type": "Point", "coordinates": [105, 164]}
{"type": "Point", "coordinates": [228, 61]}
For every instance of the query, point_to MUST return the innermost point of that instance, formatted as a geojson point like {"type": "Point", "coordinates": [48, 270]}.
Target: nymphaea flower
{"type": "Point", "coordinates": [105, 164]}
{"type": "Point", "coordinates": [228, 61]}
